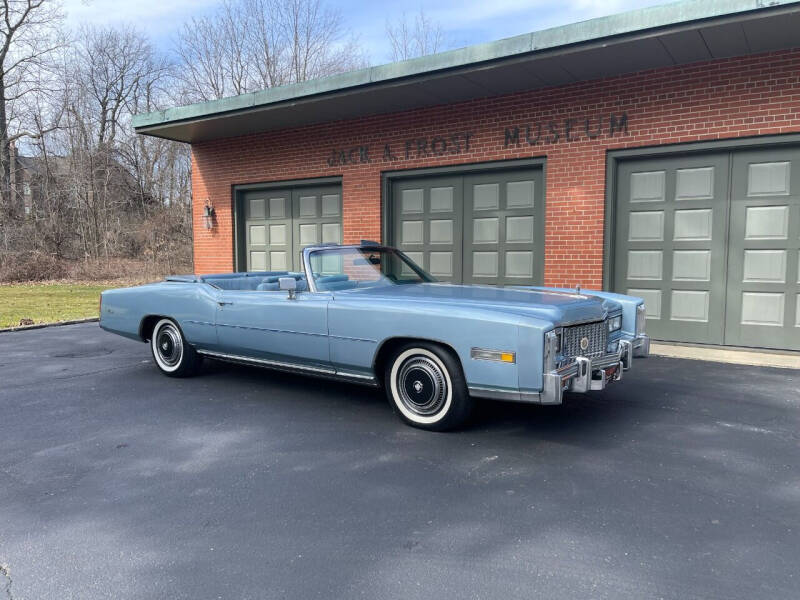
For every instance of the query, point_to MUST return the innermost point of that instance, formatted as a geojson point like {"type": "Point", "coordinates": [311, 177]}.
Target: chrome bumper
{"type": "Point", "coordinates": [589, 374]}
{"type": "Point", "coordinates": [583, 375]}
{"type": "Point", "coordinates": [641, 346]}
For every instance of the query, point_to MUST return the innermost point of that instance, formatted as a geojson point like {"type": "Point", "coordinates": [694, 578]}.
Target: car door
{"type": "Point", "coordinates": [269, 325]}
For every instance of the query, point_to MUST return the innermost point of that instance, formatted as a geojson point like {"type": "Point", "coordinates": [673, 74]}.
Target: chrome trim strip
{"type": "Point", "coordinates": [290, 367]}
{"type": "Point", "coordinates": [504, 394]}
{"type": "Point", "coordinates": [312, 285]}
{"type": "Point", "coordinates": [585, 321]}
{"type": "Point", "coordinates": [352, 339]}
{"type": "Point", "coordinates": [272, 330]}
{"type": "Point", "coordinates": [352, 375]}
{"type": "Point", "coordinates": [267, 362]}
{"type": "Point", "coordinates": [609, 360]}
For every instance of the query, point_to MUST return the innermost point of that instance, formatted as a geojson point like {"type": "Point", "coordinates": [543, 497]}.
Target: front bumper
{"type": "Point", "coordinates": [588, 374]}
{"type": "Point", "coordinates": [583, 375]}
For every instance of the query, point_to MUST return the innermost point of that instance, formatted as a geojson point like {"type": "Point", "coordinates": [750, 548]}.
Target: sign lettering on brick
{"type": "Point", "coordinates": [422, 147]}
{"type": "Point", "coordinates": [566, 130]}
{"type": "Point", "coordinates": [570, 129]}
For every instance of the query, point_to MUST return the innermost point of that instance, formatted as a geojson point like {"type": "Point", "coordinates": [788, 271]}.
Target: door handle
{"type": "Point", "coordinates": [223, 303]}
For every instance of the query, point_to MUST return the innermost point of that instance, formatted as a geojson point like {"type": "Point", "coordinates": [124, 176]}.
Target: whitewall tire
{"type": "Point", "coordinates": [172, 355]}
{"type": "Point", "coordinates": [425, 386]}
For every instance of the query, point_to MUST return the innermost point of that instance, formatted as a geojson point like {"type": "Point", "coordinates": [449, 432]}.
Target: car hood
{"type": "Point", "coordinates": [561, 308]}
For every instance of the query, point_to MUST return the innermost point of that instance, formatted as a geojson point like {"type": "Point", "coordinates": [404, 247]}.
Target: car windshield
{"type": "Point", "coordinates": [348, 268]}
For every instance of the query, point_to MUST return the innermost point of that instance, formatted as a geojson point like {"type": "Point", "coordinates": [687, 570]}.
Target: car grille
{"type": "Point", "coordinates": [596, 333]}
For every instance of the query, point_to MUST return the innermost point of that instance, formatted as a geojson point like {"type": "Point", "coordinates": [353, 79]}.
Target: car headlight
{"type": "Point", "coordinates": [615, 323]}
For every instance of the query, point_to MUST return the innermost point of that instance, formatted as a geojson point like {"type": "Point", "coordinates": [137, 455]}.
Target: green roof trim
{"type": "Point", "coordinates": [593, 30]}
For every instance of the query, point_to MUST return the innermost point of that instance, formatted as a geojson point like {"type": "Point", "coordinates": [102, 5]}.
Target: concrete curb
{"type": "Point", "coordinates": [43, 325]}
{"type": "Point", "coordinates": [737, 357]}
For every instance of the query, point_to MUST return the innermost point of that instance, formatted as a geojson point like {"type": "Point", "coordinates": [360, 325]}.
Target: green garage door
{"type": "Point", "coordinates": [278, 223]}
{"type": "Point", "coordinates": [763, 306]}
{"type": "Point", "coordinates": [710, 241]}
{"type": "Point", "coordinates": [483, 228]}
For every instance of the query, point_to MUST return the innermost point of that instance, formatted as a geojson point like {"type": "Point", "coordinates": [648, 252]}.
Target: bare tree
{"type": "Point", "coordinates": [99, 185]}
{"type": "Point", "coordinates": [315, 37]}
{"type": "Point", "coordinates": [202, 54]}
{"type": "Point", "coordinates": [250, 45]}
{"type": "Point", "coordinates": [113, 64]}
{"type": "Point", "coordinates": [28, 37]}
{"type": "Point", "coordinates": [103, 194]}
{"type": "Point", "coordinates": [411, 39]}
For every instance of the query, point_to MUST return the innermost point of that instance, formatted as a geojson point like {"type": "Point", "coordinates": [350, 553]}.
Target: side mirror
{"type": "Point", "coordinates": [288, 284]}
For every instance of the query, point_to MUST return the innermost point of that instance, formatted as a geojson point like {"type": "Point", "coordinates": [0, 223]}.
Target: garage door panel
{"type": "Point", "coordinates": [505, 244]}
{"type": "Point", "coordinates": [712, 243]}
{"type": "Point", "coordinates": [690, 305]}
{"type": "Point", "coordinates": [279, 222]}
{"type": "Point", "coordinates": [442, 199]}
{"type": "Point", "coordinates": [762, 277]}
{"type": "Point", "coordinates": [646, 226]}
{"type": "Point", "coordinates": [258, 235]}
{"type": "Point", "coordinates": [769, 178]}
{"type": "Point", "coordinates": [693, 225]}
{"type": "Point", "coordinates": [669, 243]}
{"type": "Point", "coordinates": [258, 261]}
{"type": "Point", "coordinates": [483, 228]}
{"type": "Point", "coordinates": [695, 183]}
{"type": "Point", "coordinates": [267, 236]}
{"type": "Point", "coordinates": [521, 194]}
{"type": "Point", "coordinates": [427, 223]}
{"type": "Point", "coordinates": [647, 186]}
{"type": "Point", "coordinates": [797, 311]}
{"type": "Point", "coordinates": [691, 265]}
{"type": "Point", "coordinates": [277, 206]}
{"type": "Point", "coordinates": [316, 218]}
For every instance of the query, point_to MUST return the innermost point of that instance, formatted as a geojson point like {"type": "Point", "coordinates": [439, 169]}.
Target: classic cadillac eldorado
{"type": "Point", "coordinates": [366, 313]}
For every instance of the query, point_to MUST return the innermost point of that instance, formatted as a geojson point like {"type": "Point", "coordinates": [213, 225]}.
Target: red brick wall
{"type": "Point", "coordinates": [735, 97]}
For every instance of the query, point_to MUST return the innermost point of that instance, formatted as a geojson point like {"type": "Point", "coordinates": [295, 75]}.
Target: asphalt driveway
{"type": "Point", "coordinates": [116, 482]}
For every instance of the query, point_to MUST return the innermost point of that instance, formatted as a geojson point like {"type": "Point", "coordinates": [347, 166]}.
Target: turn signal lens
{"type": "Point", "coordinates": [495, 355]}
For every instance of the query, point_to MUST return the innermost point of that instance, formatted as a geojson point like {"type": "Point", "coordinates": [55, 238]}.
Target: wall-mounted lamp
{"type": "Point", "coordinates": [208, 215]}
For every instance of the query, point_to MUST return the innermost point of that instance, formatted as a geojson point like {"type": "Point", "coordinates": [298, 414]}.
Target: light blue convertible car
{"type": "Point", "coordinates": [366, 313]}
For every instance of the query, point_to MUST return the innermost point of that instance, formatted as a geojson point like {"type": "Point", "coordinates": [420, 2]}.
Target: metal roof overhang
{"type": "Point", "coordinates": [673, 34]}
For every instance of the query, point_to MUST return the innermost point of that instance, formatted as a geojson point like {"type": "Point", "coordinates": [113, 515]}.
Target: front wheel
{"type": "Point", "coordinates": [172, 355]}
{"type": "Point", "coordinates": [426, 387]}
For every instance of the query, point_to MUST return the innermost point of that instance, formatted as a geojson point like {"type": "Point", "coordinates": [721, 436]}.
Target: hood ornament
{"type": "Point", "coordinates": [578, 289]}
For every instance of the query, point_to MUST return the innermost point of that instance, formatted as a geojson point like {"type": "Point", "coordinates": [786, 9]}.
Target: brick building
{"type": "Point", "coordinates": [656, 152]}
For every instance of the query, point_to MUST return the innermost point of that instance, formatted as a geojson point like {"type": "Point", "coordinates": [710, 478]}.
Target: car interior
{"type": "Point", "coordinates": [268, 282]}
{"type": "Point", "coordinates": [265, 281]}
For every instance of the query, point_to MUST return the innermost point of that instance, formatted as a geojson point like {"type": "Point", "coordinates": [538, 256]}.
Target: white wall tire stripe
{"type": "Point", "coordinates": [154, 346]}
{"type": "Point", "coordinates": [411, 416]}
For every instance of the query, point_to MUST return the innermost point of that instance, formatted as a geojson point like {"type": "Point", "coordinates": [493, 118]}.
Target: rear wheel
{"type": "Point", "coordinates": [172, 355]}
{"type": "Point", "coordinates": [426, 387]}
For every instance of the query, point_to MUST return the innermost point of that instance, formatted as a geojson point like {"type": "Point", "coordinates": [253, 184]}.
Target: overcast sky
{"type": "Point", "coordinates": [465, 21]}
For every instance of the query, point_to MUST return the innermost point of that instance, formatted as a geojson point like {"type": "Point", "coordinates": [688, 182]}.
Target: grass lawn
{"type": "Point", "coordinates": [48, 303]}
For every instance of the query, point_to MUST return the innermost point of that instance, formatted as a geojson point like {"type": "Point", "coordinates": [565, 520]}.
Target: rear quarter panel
{"type": "Point", "coordinates": [191, 305]}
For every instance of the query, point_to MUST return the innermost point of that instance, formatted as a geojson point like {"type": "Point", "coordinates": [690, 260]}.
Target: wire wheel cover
{"type": "Point", "coordinates": [421, 385]}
